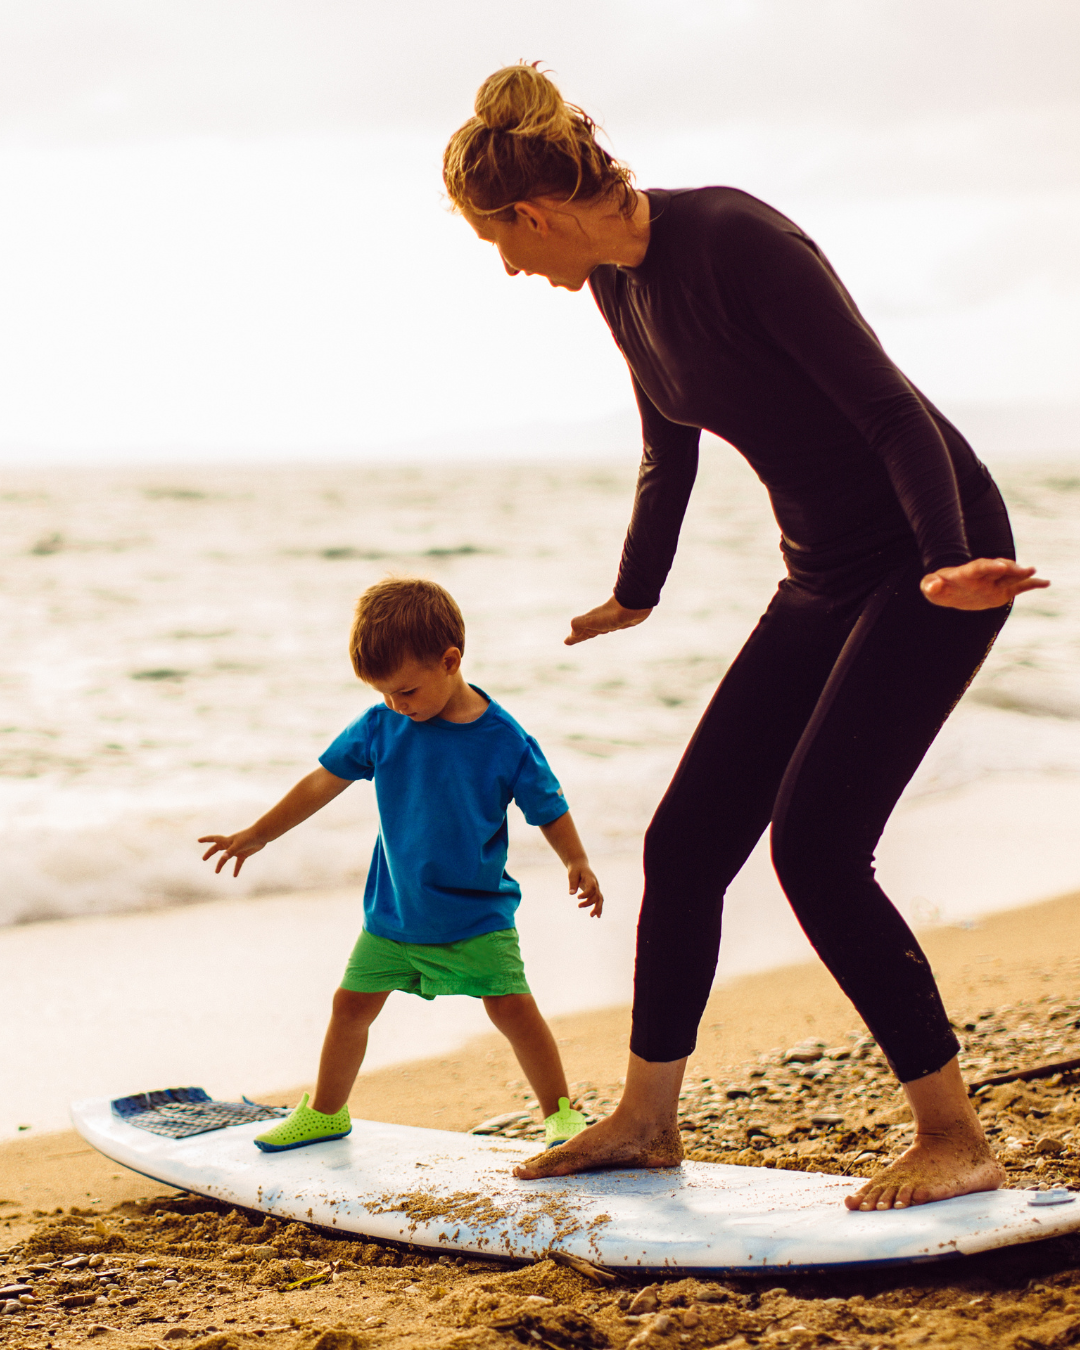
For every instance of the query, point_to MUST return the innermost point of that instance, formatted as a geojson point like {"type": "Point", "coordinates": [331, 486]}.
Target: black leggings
{"type": "Point", "coordinates": [818, 725]}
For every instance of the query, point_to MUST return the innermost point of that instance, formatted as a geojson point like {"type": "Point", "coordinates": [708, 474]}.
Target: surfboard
{"type": "Point", "coordinates": [455, 1193]}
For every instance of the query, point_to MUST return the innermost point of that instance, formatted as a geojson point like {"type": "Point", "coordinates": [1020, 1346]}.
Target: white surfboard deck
{"type": "Point", "coordinates": [455, 1193]}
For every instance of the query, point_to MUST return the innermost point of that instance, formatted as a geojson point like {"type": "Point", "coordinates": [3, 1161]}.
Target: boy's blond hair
{"type": "Point", "coordinates": [401, 619]}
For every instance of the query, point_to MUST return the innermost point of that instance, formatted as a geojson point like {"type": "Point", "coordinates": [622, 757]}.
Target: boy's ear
{"type": "Point", "coordinates": [451, 660]}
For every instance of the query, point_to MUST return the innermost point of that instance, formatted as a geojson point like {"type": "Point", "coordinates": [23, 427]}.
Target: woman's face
{"type": "Point", "coordinates": [540, 243]}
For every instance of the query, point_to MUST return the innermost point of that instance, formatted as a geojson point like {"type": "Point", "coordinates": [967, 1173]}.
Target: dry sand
{"type": "Point", "coordinates": [60, 1198]}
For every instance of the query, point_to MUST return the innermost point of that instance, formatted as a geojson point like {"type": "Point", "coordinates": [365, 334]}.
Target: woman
{"type": "Point", "coordinates": [900, 574]}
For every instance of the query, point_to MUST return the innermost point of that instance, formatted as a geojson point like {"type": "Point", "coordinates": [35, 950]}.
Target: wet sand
{"type": "Point", "coordinates": [1010, 983]}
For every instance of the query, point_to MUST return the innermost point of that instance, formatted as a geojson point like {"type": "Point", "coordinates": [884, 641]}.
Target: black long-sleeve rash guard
{"type": "Point", "coordinates": [736, 323]}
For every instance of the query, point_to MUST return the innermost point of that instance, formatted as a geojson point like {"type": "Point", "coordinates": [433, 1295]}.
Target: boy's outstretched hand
{"type": "Point", "coordinates": [308, 796]}
{"type": "Point", "coordinates": [583, 882]}
{"type": "Point", "coordinates": [239, 846]}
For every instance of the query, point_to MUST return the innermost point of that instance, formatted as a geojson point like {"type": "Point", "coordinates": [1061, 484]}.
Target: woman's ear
{"type": "Point", "coordinates": [532, 216]}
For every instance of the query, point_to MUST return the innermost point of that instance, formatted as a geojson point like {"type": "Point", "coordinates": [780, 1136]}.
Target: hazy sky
{"type": "Point", "coordinates": [223, 230]}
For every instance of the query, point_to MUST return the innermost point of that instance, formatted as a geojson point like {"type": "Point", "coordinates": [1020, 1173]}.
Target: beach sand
{"type": "Point", "coordinates": [59, 1197]}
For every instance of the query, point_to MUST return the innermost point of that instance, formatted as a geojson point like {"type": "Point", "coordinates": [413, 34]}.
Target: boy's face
{"type": "Point", "coordinates": [420, 690]}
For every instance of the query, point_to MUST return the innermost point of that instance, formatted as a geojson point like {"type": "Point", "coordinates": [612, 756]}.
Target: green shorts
{"type": "Point", "coordinates": [484, 966]}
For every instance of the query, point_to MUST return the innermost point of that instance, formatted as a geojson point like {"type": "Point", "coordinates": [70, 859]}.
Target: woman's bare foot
{"type": "Point", "coordinates": [933, 1168]}
{"type": "Point", "coordinates": [950, 1155]}
{"type": "Point", "coordinates": [609, 1143]}
{"type": "Point", "coordinates": [642, 1131]}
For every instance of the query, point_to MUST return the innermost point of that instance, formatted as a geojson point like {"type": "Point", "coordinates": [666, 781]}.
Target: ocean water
{"type": "Point", "coordinates": [174, 655]}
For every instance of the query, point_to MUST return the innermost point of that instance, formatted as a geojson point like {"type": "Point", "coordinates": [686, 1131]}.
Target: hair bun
{"type": "Point", "coordinates": [526, 142]}
{"type": "Point", "coordinates": [523, 101]}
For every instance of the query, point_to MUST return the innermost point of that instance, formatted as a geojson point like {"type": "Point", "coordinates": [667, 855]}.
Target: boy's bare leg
{"type": "Point", "coordinates": [520, 1021]}
{"type": "Point", "coordinates": [344, 1047]}
{"type": "Point", "coordinates": [950, 1155]}
{"type": "Point", "coordinates": [642, 1131]}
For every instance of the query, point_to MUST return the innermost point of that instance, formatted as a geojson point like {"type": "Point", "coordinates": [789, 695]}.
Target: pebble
{"type": "Point", "coordinates": [170, 1284]}
{"type": "Point", "coordinates": [827, 1118]}
{"type": "Point", "coordinates": [11, 1305]}
{"type": "Point", "coordinates": [96, 1261]}
{"type": "Point", "coordinates": [263, 1253]}
{"type": "Point", "coordinates": [501, 1122]}
{"type": "Point", "coordinates": [176, 1334]}
{"type": "Point", "coordinates": [147, 1263]}
{"type": "Point", "coordinates": [663, 1324]}
{"type": "Point", "coordinates": [644, 1301]}
{"type": "Point", "coordinates": [1049, 1145]}
{"type": "Point", "coordinates": [14, 1290]}
{"type": "Point", "coordinates": [75, 1263]}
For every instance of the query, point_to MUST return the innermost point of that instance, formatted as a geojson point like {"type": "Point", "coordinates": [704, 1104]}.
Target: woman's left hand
{"type": "Point", "coordinates": [983, 583]}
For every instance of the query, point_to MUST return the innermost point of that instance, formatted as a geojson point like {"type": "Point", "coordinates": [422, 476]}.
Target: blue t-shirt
{"type": "Point", "coordinates": [438, 873]}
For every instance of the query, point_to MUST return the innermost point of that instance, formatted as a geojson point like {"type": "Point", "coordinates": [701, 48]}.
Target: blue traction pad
{"type": "Point", "coordinates": [178, 1113]}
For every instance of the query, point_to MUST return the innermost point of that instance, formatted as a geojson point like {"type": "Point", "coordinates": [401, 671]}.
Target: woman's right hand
{"type": "Point", "coordinates": [606, 618]}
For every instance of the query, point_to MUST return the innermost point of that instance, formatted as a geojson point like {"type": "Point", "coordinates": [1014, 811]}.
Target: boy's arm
{"type": "Point", "coordinates": [563, 837]}
{"type": "Point", "coordinates": [308, 796]}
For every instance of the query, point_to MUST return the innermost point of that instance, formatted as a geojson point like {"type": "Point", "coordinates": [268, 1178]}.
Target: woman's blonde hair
{"type": "Point", "coordinates": [527, 142]}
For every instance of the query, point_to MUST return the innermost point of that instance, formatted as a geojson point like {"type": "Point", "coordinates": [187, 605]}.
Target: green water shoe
{"type": "Point", "coordinates": [563, 1125]}
{"type": "Point", "coordinates": [304, 1126]}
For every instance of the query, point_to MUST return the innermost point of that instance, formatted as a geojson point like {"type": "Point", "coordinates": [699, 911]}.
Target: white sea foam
{"type": "Point", "coordinates": [175, 654]}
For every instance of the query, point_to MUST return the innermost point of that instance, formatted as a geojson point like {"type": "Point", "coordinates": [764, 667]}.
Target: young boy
{"type": "Point", "coordinates": [439, 905]}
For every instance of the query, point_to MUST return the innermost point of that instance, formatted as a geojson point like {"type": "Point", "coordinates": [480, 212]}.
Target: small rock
{"type": "Point", "coordinates": [263, 1253]}
{"type": "Point", "coordinates": [99, 1329]}
{"type": "Point", "coordinates": [78, 1300]}
{"type": "Point", "coordinates": [75, 1263]}
{"type": "Point", "coordinates": [645, 1300]}
{"type": "Point", "coordinates": [96, 1261]}
{"type": "Point", "coordinates": [1049, 1145]}
{"type": "Point", "coordinates": [712, 1293]}
{"type": "Point", "coordinates": [804, 1054]}
{"type": "Point", "coordinates": [735, 1091]}
{"type": "Point", "coordinates": [690, 1319]}
{"type": "Point", "coordinates": [539, 1301]}
{"type": "Point", "coordinates": [411, 1289]}
{"type": "Point", "coordinates": [502, 1122]}
{"type": "Point", "coordinates": [27, 1300]}
{"type": "Point", "coordinates": [11, 1305]}
{"type": "Point", "coordinates": [10, 1291]}
{"type": "Point", "coordinates": [176, 1334]}
{"type": "Point", "coordinates": [827, 1118]}
{"type": "Point", "coordinates": [169, 1284]}
{"type": "Point", "coordinates": [663, 1324]}
{"type": "Point", "coordinates": [147, 1263]}
{"type": "Point", "coordinates": [46, 1258]}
